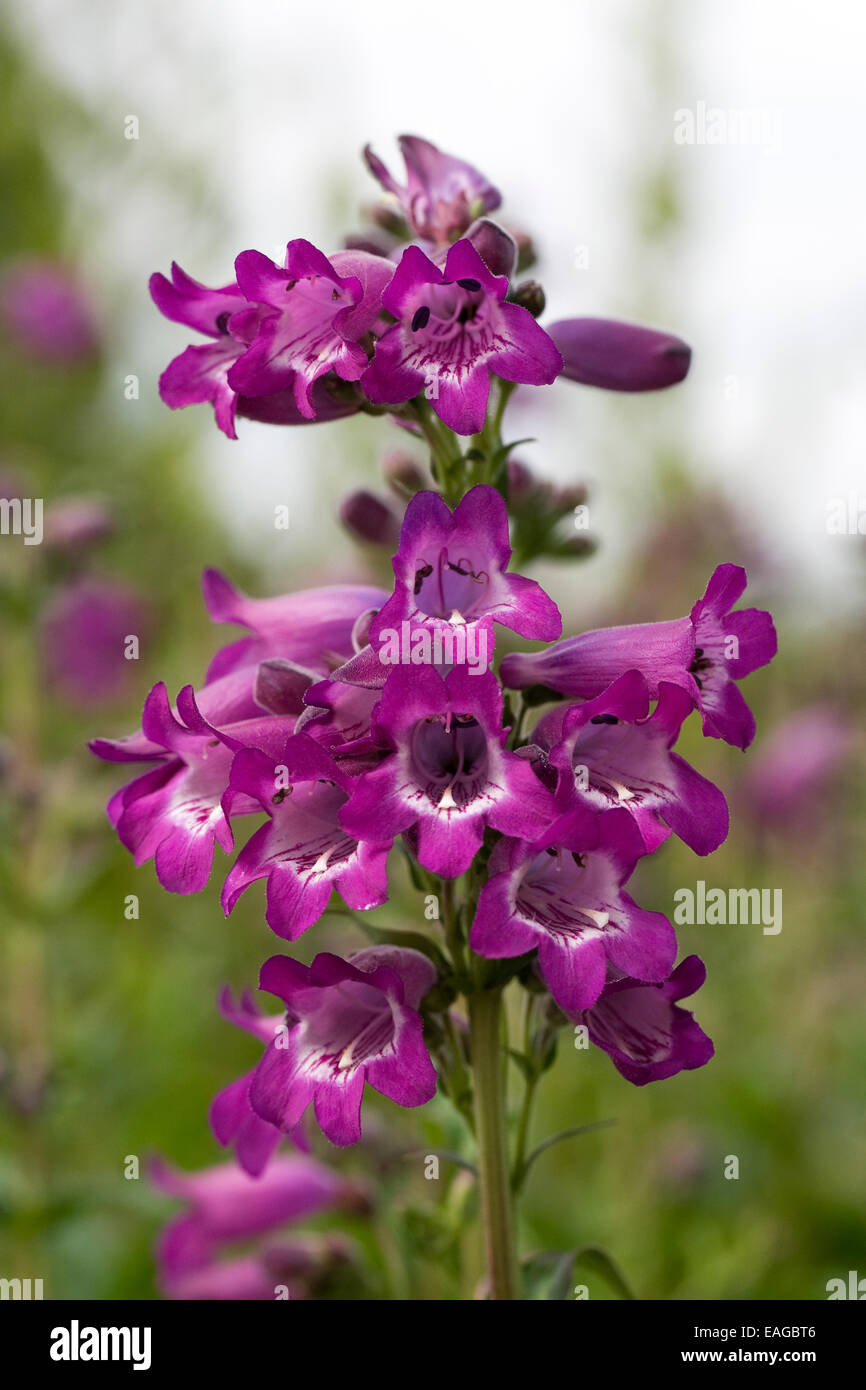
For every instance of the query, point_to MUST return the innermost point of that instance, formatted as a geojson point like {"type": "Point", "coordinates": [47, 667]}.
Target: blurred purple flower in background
{"type": "Point", "coordinates": [46, 312]}
{"type": "Point", "coordinates": [84, 637]}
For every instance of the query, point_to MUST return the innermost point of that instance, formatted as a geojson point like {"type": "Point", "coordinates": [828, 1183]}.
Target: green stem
{"type": "Point", "coordinates": [488, 1065]}
{"type": "Point", "coordinates": [519, 1166]}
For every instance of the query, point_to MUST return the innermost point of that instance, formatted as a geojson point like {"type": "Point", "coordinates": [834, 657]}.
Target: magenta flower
{"type": "Point", "coordinates": [620, 356]}
{"type": "Point", "coordinates": [562, 893]}
{"type": "Point", "coordinates": [46, 312]}
{"type": "Point", "coordinates": [449, 774]}
{"type": "Point", "coordinates": [303, 850]}
{"type": "Point", "coordinates": [225, 1207]}
{"type": "Point", "coordinates": [84, 631]}
{"type": "Point", "coordinates": [174, 814]}
{"type": "Point", "coordinates": [312, 629]}
{"type": "Point", "coordinates": [796, 767]}
{"type": "Point", "coordinates": [450, 569]}
{"type": "Point", "coordinates": [642, 1029]}
{"type": "Point", "coordinates": [705, 653]}
{"type": "Point", "coordinates": [232, 1118]}
{"type": "Point", "coordinates": [453, 330]}
{"type": "Point", "coordinates": [610, 752]}
{"type": "Point", "coordinates": [442, 195]}
{"type": "Point", "coordinates": [314, 318]}
{"type": "Point", "coordinates": [357, 1022]}
{"type": "Point", "coordinates": [200, 373]}
{"type": "Point", "coordinates": [338, 715]}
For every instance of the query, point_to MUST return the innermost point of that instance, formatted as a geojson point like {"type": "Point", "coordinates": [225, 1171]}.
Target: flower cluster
{"type": "Point", "coordinates": [308, 721]}
{"type": "Point", "coordinates": [324, 336]}
{"type": "Point", "coordinates": [369, 731]}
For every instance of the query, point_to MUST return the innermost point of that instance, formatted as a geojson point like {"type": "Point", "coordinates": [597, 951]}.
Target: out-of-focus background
{"type": "Point", "coordinates": [131, 136]}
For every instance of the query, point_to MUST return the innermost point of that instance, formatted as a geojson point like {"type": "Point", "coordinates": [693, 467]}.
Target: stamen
{"type": "Point", "coordinates": [469, 284]}
{"type": "Point", "coordinates": [421, 574]}
{"type": "Point", "coordinates": [604, 719]}
{"type": "Point", "coordinates": [420, 318]}
{"type": "Point", "coordinates": [222, 322]}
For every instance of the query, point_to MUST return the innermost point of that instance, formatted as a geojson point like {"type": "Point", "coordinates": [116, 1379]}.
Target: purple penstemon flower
{"type": "Point", "coordinates": [315, 312]}
{"type": "Point", "coordinates": [303, 850]}
{"type": "Point", "coordinates": [232, 1118]}
{"type": "Point", "coordinates": [705, 653]}
{"type": "Point", "coordinates": [442, 196]}
{"type": "Point", "coordinates": [642, 1029]}
{"type": "Point", "coordinates": [449, 774]}
{"type": "Point", "coordinates": [611, 752]}
{"type": "Point", "coordinates": [563, 894]}
{"type": "Point", "coordinates": [357, 1023]}
{"type": "Point", "coordinates": [174, 813]}
{"type": "Point", "coordinates": [454, 328]}
{"type": "Point", "coordinates": [450, 570]}
{"type": "Point", "coordinates": [226, 1207]}
{"type": "Point", "coordinates": [200, 373]}
{"type": "Point", "coordinates": [312, 628]}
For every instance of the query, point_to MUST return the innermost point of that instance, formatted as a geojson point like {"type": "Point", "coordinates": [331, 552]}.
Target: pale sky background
{"type": "Point", "coordinates": [567, 107]}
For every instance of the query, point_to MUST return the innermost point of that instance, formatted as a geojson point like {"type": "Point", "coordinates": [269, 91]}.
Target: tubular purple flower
{"type": "Point", "coordinates": [357, 1023]}
{"type": "Point", "coordinates": [449, 775]}
{"type": "Point", "coordinates": [232, 1118]}
{"type": "Point", "coordinates": [562, 893]}
{"type": "Point", "coordinates": [453, 330]}
{"type": "Point", "coordinates": [303, 850]}
{"type": "Point", "coordinates": [312, 628]}
{"type": "Point", "coordinates": [611, 752]}
{"type": "Point", "coordinates": [174, 813]}
{"type": "Point", "coordinates": [620, 356]}
{"type": "Point", "coordinates": [442, 196]}
{"type": "Point", "coordinates": [315, 311]}
{"type": "Point", "coordinates": [642, 1029]}
{"type": "Point", "coordinates": [227, 1206]}
{"type": "Point", "coordinates": [201, 372]}
{"type": "Point", "coordinates": [705, 653]}
{"type": "Point", "coordinates": [450, 570]}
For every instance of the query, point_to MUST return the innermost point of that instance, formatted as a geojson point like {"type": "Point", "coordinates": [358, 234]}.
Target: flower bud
{"type": "Point", "coordinates": [403, 474]}
{"type": "Point", "coordinates": [620, 356]}
{"type": "Point", "coordinates": [530, 295]}
{"type": "Point", "coordinates": [370, 519]}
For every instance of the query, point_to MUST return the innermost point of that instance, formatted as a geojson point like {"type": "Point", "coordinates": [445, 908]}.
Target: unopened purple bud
{"type": "Point", "coordinates": [403, 474]}
{"type": "Point", "coordinates": [530, 295]}
{"type": "Point", "coordinates": [370, 519]}
{"type": "Point", "coordinates": [620, 356]}
{"type": "Point", "coordinates": [496, 247]}
{"type": "Point", "coordinates": [522, 483]}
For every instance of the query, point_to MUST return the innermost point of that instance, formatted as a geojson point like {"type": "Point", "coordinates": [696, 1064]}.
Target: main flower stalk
{"type": "Point", "coordinates": [497, 1208]}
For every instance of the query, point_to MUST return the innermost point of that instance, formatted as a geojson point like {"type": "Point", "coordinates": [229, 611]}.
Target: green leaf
{"type": "Point", "coordinates": [412, 940]}
{"type": "Point", "coordinates": [558, 1138]}
{"type": "Point", "coordinates": [448, 1155]}
{"type": "Point", "coordinates": [524, 1063]}
{"type": "Point", "coordinates": [551, 1275]}
{"type": "Point", "coordinates": [601, 1263]}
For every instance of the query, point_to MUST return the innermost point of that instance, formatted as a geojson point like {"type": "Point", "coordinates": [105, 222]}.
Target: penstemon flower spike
{"type": "Point", "coordinates": [356, 721]}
